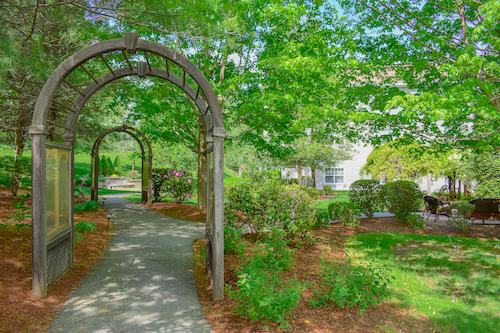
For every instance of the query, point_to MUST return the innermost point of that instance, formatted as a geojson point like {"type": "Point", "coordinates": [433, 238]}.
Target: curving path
{"type": "Point", "coordinates": [145, 281]}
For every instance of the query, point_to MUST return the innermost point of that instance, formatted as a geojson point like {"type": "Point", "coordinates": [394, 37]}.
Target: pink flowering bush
{"type": "Point", "coordinates": [177, 186]}
{"type": "Point", "coordinates": [173, 185]}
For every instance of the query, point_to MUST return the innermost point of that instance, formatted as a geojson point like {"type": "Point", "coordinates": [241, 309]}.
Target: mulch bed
{"type": "Point", "coordinates": [20, 310]}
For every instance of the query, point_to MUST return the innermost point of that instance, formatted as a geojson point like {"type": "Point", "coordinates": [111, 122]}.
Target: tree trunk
{"type": "Point", "coordinates": [202, 165]}
{"type": "Point", "coordinates": [299, 172]}
{"type": "Point", "coordinates": [429, 183]}
{"type": "Point", "coordinates": [15, 177]}
{"type": "Point", "coordinates": [313, 175]}
{"type": "Point", "coordinates": [133, 164]}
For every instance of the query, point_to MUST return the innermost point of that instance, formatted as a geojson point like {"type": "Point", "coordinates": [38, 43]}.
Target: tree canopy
{"type": "Point", "coordinates": [448, 51]}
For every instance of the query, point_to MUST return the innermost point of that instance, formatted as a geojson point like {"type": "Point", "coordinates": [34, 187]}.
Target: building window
{"type": "Point", "coordinates": [334, 176]}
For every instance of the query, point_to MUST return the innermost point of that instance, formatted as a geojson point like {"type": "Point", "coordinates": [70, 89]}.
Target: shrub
{"type": "Point", "coordinates": [157, 182]}
{"type": "Point", "coordinates": [327, 189]}
{"type": "Point", "coordinates": [312, 192]}
{"type": "Point", "coordinates": [262, 206]}
{"type": "Point", "coordinates": [79, 194]}
{"type": "Point", "coordinates": [274, 253]}
{"type": "Point", "coordinates": [86, 206]}
{"type": "Point", "coordinates": [322, 219]}
{"type": "Point", "coordinates": [22, 211]}
{"type": "Point", "coordinates": [82, 179]}
{"type": "Point", "coordinates": [262, 176]}
{"type": "Point", "coordinates": [133, 174]}
{"type": "Point", "coordinates": [178, 186]}
{"type": "Point", "coordinates": [366, 193]}
{"type": "Point", "coordinates": [402, 197]}
{"type": "Point", "coordinates": [345, 213]}
{"type": "Point", "coordinates": [85, 226]}
{"type": "Point", "coordinates": [416, 221]}
{"type": "Point", "coordinates": [263, 296]}
{"type": "Point", "coordinates": [78, 238]}
{"type": "Point", "coordinates": [346, 285]}
{"type": "Point", "coordinates": [460, 220]}
{"type": "Point", "coordinates": [233, 241]}
{"type": "Point", "coordinates": [13, 169]}
{"type": "Point", "coordinates": [87, 182]}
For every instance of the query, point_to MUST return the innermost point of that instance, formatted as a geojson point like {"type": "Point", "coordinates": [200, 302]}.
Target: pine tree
{"type": "Point", "coordinates": [118, 166]}
{"type": "Point", "coordinates": [100, 167]}
{"type": "Point", "coordinates": [111, 167]}
{"type": "Point", "coordinates": [105, 166]}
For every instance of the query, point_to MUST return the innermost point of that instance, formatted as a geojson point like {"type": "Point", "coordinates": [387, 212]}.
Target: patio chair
{"type": "Point", "coordinates": [436, 207]}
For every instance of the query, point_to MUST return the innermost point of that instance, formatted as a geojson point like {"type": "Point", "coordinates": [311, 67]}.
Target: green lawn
{"type": "Point", "coordinates": [340, 196]}
{"type": "Point", "coordinates": [82, 164]}
{"type": "Point", "coordinates": [454, 281]}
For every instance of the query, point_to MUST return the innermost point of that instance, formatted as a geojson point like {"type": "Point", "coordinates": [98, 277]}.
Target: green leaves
{"type": "Point", "coordinates": [447, 52]}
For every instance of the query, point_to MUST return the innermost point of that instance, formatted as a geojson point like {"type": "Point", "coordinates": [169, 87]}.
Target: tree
{"type": "Point", "coordinates": [267, 64]}
{"type": "Point", "coordinates": [315, 153]}
{"type": "Point", "coordinates": [487, 174]}
{"type": "Point", "coordinates": [105, 166]}
{"type": "Point", "coordinates": [447, 51]}
{"type": "Point", "coordinates": [400, 160]}
{"type": "Point", "coordinates": [100, 162]}
{"type": "Point", "coordinates": [111, 167]}
{"type": "Point", "coordinates": [117, 165]}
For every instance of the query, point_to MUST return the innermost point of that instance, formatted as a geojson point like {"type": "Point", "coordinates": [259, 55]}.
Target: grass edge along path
{"type": "Point", "coordinates": [453, 281]}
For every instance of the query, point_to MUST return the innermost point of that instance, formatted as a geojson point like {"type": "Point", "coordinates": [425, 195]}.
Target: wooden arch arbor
{"type": "Point", "coordinates": [53, 136]}
{"type": "Point", "coordinates": [147, 162]}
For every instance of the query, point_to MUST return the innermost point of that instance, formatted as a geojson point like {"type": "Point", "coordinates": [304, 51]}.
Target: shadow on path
{"type": "Point", "coordinates": [145, 281]}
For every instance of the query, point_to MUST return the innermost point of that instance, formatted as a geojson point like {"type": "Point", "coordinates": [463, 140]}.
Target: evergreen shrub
{"type": "Point", "coordinates": [327, 189]}
{"type": "Point", "coordinates": [402, 197]}
{"type": "Point", "coordinates": [367, 194]}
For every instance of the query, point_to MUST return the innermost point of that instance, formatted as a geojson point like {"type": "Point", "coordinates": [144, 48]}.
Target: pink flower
{"type": "Point", "coordinates": [183, 170]}
{"type": "Point", "coordinates": [190, 181]}
{"type": "Point", "coordinates": [173, 172]}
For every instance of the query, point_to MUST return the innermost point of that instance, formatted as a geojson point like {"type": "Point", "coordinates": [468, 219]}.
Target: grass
{"type": "Point", "coordinates": [454, 281]}
{"type": "Point", "coordinates": [340, 196]}
{"type": "Point", "coordinates": [82, 164]}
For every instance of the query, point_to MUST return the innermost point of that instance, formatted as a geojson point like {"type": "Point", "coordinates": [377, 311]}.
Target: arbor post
{"type": "Point", "coordinates": [38, 200]}
{"type": "Point", "coordinates": [218, 231]}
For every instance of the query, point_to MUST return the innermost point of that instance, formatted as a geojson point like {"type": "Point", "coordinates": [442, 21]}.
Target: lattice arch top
{"type": "Point", "coordinates": [202, 95]}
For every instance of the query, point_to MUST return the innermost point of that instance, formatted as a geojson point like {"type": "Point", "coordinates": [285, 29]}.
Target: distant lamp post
{"type": "Point", "coordinates": [109, 218]}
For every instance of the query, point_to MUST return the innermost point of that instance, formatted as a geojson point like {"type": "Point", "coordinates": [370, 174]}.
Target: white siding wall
{"type": "Point", "coordinates": [351, 170]}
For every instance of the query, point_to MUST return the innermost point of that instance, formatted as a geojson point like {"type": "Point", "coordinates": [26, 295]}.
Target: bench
{"type": "Point", "coordinates": [486, 209]}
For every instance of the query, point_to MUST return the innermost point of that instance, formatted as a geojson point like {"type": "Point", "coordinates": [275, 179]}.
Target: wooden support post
{"type": "Point", "coordinates": [218, 231]}
{"type": "Point", "coordinates": [38, 218]}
